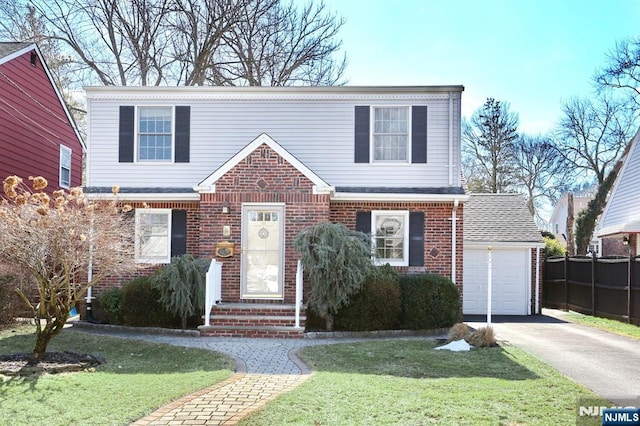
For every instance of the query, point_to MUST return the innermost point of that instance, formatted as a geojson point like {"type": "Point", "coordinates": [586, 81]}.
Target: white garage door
{"type": "Point", "coordinates": [510, 280]}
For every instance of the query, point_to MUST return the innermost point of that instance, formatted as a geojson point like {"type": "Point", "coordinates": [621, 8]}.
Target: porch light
{"type": "Point", "coordinates": [625, 239]}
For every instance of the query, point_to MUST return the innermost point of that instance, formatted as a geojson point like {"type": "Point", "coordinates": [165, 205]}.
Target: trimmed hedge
{"type": "Point", "coordinates": [141, 305]}
{"type": "Point", "coordinates": [376, 306]}
{"type": "Point", "coordinates": [428, 301]}
{"type": "Point", "coordinates": [10, 302]}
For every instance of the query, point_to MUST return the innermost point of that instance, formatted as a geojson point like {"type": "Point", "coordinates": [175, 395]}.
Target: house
{"type": "Point", "coordinates": [38, 136]}
{"type": "Point", "coordinates": [620, 219]}
{"type": "Point", "coordinates": [500, 225]}
{"type": "Point", "coordinates": [558, 221]}
{"type": "Point", "coordinates": [235, 173]}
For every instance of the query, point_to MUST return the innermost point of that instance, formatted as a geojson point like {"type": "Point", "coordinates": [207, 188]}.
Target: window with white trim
{"type": "Point", "coordinates": [155, 133]}
{"type": "Point", "coordinates": [65, 167]}
{"type": "Point", "coordinates": [153, 235]}
{"type": "Point", "coordinates": [390, 236]}
{"type": "Point", "coordinates": [390, 133]}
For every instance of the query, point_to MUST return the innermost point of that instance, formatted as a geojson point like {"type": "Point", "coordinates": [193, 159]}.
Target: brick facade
{"type": "Point", "coordinates": [262, 177]}
{"type": "Point", "coordinates": [437, 232]}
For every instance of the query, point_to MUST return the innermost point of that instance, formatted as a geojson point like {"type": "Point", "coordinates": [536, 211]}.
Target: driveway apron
{"type": "Point", "coordinates": [604, 362]}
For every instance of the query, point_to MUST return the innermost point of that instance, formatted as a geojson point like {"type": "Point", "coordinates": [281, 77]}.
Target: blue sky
{"type": "Point", "coordinates": [533, 54]}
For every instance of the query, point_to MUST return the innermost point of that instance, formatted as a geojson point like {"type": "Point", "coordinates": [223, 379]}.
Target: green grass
{"type": "Point", "coordinates": [137, 378]}
{"type": "Point", "coordinates": [613, 326]}
{"type": "Point", "coordinates": [407, 382]}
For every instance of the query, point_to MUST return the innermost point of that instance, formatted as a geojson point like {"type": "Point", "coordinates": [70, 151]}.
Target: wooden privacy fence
{"type": "Point", "coordinates": [603, 287]}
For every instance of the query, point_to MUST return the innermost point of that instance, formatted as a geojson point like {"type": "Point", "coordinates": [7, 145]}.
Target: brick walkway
{"type": "Point", "coordinates": [265, 368]}
{"type": "Point", "coordinates": [226, 402]}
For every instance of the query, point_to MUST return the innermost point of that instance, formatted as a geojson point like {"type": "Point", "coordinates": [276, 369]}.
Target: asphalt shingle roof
{"type": "Point", "coordinates": [7, 48]}
{"type": "Point", "coordinates": [499, 218]}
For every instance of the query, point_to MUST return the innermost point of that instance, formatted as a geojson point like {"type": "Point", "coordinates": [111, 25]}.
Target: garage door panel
{"type": "Point", "coordinates": [510, 280]}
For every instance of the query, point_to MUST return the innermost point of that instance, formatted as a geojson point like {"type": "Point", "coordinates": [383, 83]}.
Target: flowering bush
{"type": "Point", "coordinates": [65, 242]}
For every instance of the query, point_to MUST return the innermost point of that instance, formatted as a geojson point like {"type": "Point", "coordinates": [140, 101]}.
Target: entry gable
{"type": "Point", "coordinates": [208, 185]}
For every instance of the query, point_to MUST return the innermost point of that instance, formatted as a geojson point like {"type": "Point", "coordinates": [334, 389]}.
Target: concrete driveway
{"type": "Point", "coordinates": [606, 363]}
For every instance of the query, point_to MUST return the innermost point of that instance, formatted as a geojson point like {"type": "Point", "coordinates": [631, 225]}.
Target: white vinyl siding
{"type": "Point", "coordinates": [624, 203]}
{"type": "Point", "coordinates": [390, 237]}
{"type": "Point", "coordinates": [153, 235]}
{"type": "Point", "coordinates": [65, 167]}
{"type": "Point", "coordinates": [318, 132]}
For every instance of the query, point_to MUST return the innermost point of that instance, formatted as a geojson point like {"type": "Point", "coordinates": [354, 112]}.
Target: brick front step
{"type": "Point", "coordinates": [253, 320]}
{"type": "Point", "coordinates": [249, 331]}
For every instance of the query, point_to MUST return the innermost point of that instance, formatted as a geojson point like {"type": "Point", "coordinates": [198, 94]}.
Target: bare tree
{"type": "Point", "coordinates": [276, 44]}
{"type": "Point", "coordinates": [189, 42]}
{"type": "Point", "coordinates": [622, 70]}
{"type": "Point", "coordinates": [56, 240]}
{"type": "Point", "coordinates": [591, 135]}
{"type": "Point", "coordinates": [539, 171]}
{"type": "Point", "coordinates": [488, 147]}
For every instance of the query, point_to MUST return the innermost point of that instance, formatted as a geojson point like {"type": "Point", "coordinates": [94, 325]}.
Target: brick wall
{"type": "Point", "coordinates": [533, 279]}
{"type": "Point", "coordinates": [262, 177]}
{"type": "Point", "coordinates": [437, 231]}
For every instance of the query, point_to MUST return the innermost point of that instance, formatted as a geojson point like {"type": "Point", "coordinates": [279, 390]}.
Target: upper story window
{"type": "Point", "coordinates": [391, 237]}
{"type": "Point", "coordinates": [391, 134]}
{"type": "Point", "coordinates": [155, 134]}
{"type": "Point", "coordinates": [65, 167]}
{"type": "Point", "coordinates": [153, 235]}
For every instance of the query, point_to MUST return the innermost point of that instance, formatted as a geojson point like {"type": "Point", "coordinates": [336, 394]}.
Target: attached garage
{"type": "Point", "coordinates": [503, 223]}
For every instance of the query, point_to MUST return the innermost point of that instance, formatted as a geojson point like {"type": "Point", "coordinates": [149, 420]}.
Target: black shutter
{"type": "Point", "coordinates": [126, 136]}
{"type": "Point", "coordinates": [419, 134]}
{"type": "Point", "coordinates": [178, 232]}
{"type": "Point", "coordinates": [362, 124]}
{"type": "Point", "coordinates": [363, 222]}
{"type": "Point", "coordinates": [416, 239]}
{"type": "Point", "coordinates": [183, 128]}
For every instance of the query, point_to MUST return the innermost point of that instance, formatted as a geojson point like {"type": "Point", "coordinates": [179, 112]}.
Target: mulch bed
{"type": "Point", "coordinates": [18, 364]}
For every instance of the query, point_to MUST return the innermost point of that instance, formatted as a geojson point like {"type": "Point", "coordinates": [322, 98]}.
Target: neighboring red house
{"type": "Point", "coordinates": [38, 136]}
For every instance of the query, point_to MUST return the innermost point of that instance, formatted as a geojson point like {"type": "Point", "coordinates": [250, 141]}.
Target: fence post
{"type": "Point", "coordinates": [566, 285]}
{"type": "Point", "coordinates": [593, 284]}
{"type": "Point", "coordinates": [629, 281]}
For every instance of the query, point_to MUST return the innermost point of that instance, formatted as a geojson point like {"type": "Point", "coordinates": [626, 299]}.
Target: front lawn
{"type": "Point", "coordinates": [137, 378]}
{"type": "Point", "coordinates": [407, 382]}
{"type": "Point", "coordinates": [612, 326]}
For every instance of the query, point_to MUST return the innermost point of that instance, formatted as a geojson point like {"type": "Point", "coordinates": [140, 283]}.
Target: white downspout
{"type": "Point", "coordinates": [537, 280]}
{"type": "Point", "coordinates": [454, 221]}
{"type": "Point", "coordinates": [451, 139]}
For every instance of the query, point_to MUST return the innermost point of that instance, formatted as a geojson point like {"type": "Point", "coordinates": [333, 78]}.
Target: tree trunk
{"type": "Point", "coordinates": [44, 336]}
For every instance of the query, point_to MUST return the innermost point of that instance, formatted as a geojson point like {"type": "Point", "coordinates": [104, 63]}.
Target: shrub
{"type": "Point", "coordinates": [182, 286]}
{"type": "Point", "coordinates": [108, 306]}
{"type": "Point", "coordinates": [459, 331]}
{"type": "Point", "coordinates": [376, 306]}
{"type": "Point", "coordinates": [482, 338]}
{"type": "Point", "coordinates": [336, 261]}
{"type": "Point", "coordinates": [428, 301]}
{"type": "Point", "coordinates": [553, 247]}
{"type": "Point", "coordinates": [141, 305]}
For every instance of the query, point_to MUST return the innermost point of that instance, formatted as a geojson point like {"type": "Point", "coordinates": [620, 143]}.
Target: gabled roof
{"type": "Point", "coordinates": [208, 185]}
{"type": "Point", "coordinates": [11, 50]}
{"type": "Point", "coordinates": [621, 214]}
{"type": "Point", "coordinates": [7, 49]}
{"type": "Point", "coordinates": [499, 218]}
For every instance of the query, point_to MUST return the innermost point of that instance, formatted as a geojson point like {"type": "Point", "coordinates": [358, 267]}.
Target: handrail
{"type": "Point", "coordinates": [299, 282]}
{"type": "Point", "coordinates": [213, 289]}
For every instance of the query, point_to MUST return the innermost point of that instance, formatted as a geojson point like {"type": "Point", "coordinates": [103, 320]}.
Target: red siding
{"type": "Point", "coordinates": [33, 124]}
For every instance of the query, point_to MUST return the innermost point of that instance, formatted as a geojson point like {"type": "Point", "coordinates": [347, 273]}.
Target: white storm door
{"type": "Point", "coordinates": [262, 251]}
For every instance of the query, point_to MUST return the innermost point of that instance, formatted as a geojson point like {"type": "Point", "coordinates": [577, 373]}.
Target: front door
{"type": "Point", "coordinates": [262, 244]}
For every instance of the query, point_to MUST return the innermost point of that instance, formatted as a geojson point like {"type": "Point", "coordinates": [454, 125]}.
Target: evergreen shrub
{"type": "Point", "coordinates": [428, 301]}
{"type": "Point", "coordinates": [376, 306]}
{"type": "Point", "coordinates": [108, 306]}
{"type": "Point", "coordinates": [141, 305]}
{"type": "Point", "coordinates": [9, 300]}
